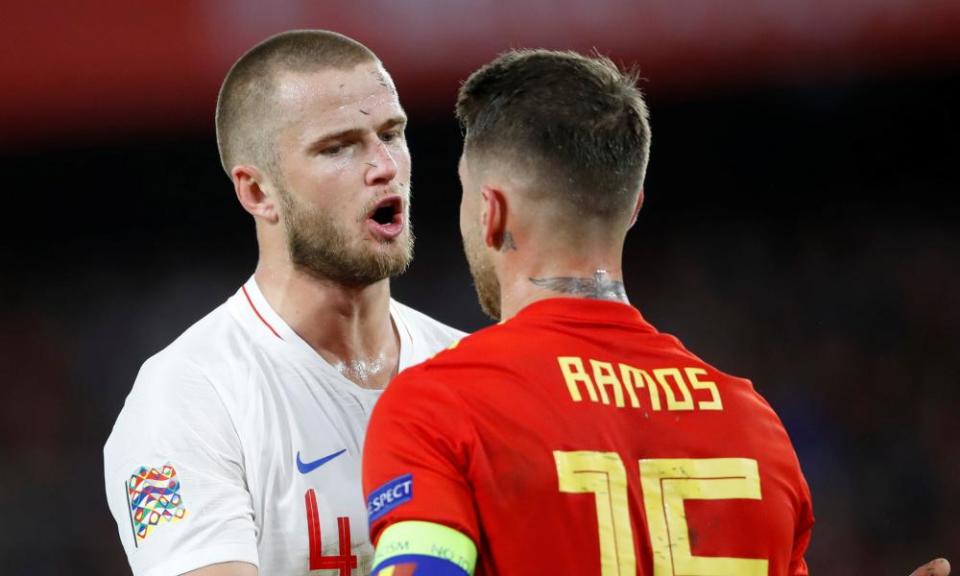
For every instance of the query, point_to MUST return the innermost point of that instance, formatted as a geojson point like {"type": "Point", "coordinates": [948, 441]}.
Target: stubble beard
{"type": "Point", "coordinates": [484, 277]}
{"type": "Point", "coordinates": [320, 246]}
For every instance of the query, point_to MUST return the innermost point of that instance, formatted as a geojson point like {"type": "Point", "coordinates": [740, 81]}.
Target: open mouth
{"type": "Point", "coordinates": [384, 214]}
{"type": "Point", "coordinates": [386, 218]}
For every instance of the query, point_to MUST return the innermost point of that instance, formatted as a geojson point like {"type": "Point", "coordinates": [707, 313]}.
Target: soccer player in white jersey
{"type": "Point", "coordinates": [238, 449]}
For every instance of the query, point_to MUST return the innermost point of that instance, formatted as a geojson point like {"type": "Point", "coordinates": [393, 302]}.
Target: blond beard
{"type": "Point", "coordinates": [318, 245]}
{"type": "Point", "coordinates": [484, 277]}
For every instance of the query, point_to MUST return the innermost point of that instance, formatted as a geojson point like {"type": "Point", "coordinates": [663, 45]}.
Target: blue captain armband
{"type": "Point", "coordinates": [424, 549]}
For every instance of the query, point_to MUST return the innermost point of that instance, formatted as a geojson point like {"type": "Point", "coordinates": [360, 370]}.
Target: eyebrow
{"type": "Point", "coordinates": [354, 133]}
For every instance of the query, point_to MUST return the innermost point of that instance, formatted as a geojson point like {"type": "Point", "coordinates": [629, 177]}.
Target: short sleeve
{"type": "Point", "coordinates": [173, 469]}
{"type": "Point", "coordinates": [416, 457]}
{"type": "Point", "coordinates": [802, 533]}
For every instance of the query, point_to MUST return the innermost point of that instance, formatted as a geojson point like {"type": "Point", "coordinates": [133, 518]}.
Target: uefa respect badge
{"type": "Point", "coordinates": [392, 494]}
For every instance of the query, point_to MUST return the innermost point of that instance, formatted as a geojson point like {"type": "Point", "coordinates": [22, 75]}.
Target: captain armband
{"type": "Point", "coordinates": [424, 548]}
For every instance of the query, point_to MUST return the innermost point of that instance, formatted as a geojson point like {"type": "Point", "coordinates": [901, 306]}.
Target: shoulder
{"type": "Point", "coordinates": [490, 346]}
{"type": "Point", "coordinates": [192, 373]}
{"type": "Point", "coordinates": [215, 344]}
{"type": "Point", "coordinates": [467, 361]}
{"type": "Point", "coordinates": [423, 328]}
{"type": "Point", "coordinates": [177, 395]}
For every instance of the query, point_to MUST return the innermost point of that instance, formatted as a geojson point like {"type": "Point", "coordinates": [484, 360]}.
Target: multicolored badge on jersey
{"type": "Point", "coordinates": [389, 496]}
{"type": "Point", "coordinates": [153, 497]}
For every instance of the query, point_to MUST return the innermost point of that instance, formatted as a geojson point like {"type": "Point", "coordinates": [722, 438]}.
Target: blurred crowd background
{"type": "Point", "coordinates": [800, 227]}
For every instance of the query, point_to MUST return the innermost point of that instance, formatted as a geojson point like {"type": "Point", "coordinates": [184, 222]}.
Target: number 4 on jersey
{"type": "Point", "coordinates": [666, 483]}
{"type": "Point", "coordinates": [345, 562]}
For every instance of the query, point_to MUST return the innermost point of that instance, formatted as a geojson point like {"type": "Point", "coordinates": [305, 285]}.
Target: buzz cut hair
{"type": "Point", "coordinates": [577, 124]}
{"type": "Point", "coordinates": [246, 124]}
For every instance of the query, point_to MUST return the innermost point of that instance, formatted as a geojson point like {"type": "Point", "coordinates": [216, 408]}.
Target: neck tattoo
{"type": "Point", "coordinates": [599, 287]}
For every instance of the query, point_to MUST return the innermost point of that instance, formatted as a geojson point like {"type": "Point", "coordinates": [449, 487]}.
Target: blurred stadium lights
{"type": "Point", "coordinates": [118, 67]}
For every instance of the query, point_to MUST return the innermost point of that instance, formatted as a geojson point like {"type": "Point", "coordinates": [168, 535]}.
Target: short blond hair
{"type": "Point", "coordinates": [245, 125]}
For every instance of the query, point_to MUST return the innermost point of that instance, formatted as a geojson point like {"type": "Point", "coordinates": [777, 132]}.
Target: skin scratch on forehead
{"type": "Point", "coordinates": [384, 81]}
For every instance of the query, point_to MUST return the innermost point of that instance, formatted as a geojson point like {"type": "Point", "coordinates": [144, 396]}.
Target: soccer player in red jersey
{"type": "Point", "coordinates": [573, 437]}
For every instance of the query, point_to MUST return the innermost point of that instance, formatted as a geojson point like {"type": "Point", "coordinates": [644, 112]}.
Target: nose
{"type": "Point", "coordinates": [381, 167]}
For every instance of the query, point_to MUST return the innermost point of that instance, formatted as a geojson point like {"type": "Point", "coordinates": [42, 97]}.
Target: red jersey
{"type": "Point", "coordinates": [576, 439]}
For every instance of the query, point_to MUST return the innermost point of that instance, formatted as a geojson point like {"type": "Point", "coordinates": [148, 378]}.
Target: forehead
{"type": "Point", "coordinates": [331, 99]}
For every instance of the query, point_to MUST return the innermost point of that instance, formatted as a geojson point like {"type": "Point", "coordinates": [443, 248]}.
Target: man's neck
{"type": "Point", "coordinates": [350, 327]}
{"type": "Point", "coordinates": [598, 281]}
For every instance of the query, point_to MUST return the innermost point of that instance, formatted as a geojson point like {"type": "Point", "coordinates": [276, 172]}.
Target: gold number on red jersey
{"type": "Point", "coordinates": [602, 473]}
{"type": "Point", "coordinates": [666, 483]}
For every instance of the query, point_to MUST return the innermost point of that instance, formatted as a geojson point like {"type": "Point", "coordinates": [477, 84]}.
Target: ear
{"type": "Point", "coordinates": [636, 209]}
{"type": "Point", "coordinates": [494, 216]}
{"type": "Point", "coordinates": [253, 190]}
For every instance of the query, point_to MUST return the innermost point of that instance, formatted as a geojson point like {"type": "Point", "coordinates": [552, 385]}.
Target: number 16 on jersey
{"type": "Point", "coordinates": [666, 483]}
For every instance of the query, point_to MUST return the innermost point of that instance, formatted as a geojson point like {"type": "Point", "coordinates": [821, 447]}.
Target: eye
{"type": "Point", "coordinates": [332, 150]}
{"type": "Point", "coordinates": [391, 135]}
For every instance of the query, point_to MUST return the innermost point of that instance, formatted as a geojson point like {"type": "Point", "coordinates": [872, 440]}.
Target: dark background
{"type": "Point", "coordinates": [799, 229]}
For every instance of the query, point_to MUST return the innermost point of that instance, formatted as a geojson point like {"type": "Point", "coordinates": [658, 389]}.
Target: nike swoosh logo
{"type": "Point", "coordinates": [308, 467]}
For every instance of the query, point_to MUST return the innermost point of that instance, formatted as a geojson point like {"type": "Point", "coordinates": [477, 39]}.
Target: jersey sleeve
{"type": "Point", "coordinates": [173, 469]}
{"type": "Point", "coordinates": [416, 457]}
{"type": "Point", "coordinates": [804, 529]}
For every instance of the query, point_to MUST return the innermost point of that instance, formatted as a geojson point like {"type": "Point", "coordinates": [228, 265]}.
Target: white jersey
{"type": "Point", "coordinates": [239, 442]}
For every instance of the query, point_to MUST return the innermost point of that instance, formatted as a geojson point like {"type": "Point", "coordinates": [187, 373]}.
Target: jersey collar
{"type": "Point", "coordinates": [271, 323]}
{"type": "Point", "coordinates": [585, 309]}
